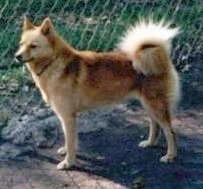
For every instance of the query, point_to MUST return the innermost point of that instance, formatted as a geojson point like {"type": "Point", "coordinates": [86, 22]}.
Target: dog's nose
{"type": "Point", "coordinates": [18, 58]}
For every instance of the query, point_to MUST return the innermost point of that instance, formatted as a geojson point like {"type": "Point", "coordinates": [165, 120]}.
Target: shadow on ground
{"type": "Point", "coordinates": [115, 155]}
{"type": "Point", "coordinates": [111, 152]}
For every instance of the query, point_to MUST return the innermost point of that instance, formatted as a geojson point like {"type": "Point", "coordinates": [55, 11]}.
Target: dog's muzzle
{"type": "Point", "coordinates": [19, 58]}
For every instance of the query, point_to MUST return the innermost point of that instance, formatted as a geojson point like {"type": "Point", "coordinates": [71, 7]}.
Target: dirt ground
{"type": "Point", "coordinates": [109, 158]}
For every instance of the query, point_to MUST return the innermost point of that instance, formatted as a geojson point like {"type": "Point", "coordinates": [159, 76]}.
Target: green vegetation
{"type": "Point", "coordinates": [97, 25]}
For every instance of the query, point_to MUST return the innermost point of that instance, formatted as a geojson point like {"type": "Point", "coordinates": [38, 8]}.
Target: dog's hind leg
{"type": "Point", "coordinates": [160, 112]}
{"type": "Point", "coordinates": [154, 132]}
{"type": "Point", "coordinates": [170, 139]}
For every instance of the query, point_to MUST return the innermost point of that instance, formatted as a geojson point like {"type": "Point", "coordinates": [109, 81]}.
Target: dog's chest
{"type": "Point", "coordinates": [42, 87]}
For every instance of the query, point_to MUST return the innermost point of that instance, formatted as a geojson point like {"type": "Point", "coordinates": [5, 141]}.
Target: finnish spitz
{"type": "Point", "coordinates": [72, 81]}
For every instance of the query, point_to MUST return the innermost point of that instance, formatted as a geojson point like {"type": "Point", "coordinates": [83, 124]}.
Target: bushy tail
{"type": "Point", "coordinates": [148, 45]}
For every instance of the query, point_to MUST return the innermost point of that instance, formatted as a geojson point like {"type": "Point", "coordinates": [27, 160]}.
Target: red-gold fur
{"type": "Point", "coordinates": [71, 81]}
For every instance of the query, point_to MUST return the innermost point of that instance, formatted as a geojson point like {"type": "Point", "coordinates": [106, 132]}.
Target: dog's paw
{"type": "Point", "coordinates": [63, 165]}
{"type": "Point", "coordinates": [145, 144]}
{"type": "Point", "coordinates": [167, 158]}
{"type": "Point", "coordinates": [62, 151]}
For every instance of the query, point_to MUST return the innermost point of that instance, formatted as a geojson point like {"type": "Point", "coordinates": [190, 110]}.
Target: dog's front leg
{"type": "Point", "coordinates": [69, 129]}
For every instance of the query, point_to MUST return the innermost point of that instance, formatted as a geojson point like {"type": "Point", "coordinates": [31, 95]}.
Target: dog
{"type": "Point", "coordinates": [72, 81]}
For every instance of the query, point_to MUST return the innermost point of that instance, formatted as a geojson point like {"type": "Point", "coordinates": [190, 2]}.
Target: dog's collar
{"type": "Point", "coordinates": [45, 64]}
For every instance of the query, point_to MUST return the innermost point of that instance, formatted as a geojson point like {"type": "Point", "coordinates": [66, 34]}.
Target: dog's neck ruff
{"type": "Point", "coordinates": [45, 66]}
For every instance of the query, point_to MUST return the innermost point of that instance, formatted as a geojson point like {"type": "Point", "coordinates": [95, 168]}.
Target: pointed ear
{"type": "Point", "coordinates": [27, 25]}
{"type": "Point", "coordinates": [47, 27]}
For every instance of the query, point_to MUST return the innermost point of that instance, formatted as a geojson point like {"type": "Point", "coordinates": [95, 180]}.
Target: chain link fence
{"type": "Point", "coordinates": [94, 25]}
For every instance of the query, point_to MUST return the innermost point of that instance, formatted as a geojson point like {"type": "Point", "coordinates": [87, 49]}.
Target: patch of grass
{"type": "Point", "coordinates": [3, 120]}
{"type": "Point", "coordinates": [97, 25]}
{"type": "Point", "coordinates": [11, 81]}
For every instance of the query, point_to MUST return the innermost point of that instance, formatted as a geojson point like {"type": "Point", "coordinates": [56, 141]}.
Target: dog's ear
{"type": "Point", "coordinates": [27, 25]}
{"type": "Point", "coordinates": [47, 27]}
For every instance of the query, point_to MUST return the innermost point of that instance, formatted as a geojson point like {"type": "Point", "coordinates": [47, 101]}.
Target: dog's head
{"type": "Point", "coordinates": [36, 41]}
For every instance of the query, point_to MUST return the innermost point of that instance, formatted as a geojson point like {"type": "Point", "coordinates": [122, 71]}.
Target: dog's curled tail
{"type": "Point", "coordinates": [148, 45]}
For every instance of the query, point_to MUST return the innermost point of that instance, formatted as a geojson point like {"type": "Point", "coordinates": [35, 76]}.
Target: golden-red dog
{"type": "Point", "coordinates": [71, 81]}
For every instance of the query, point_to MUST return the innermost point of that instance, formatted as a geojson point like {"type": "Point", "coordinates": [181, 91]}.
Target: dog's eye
{"type": "Point", "coordinates": [33, 46]}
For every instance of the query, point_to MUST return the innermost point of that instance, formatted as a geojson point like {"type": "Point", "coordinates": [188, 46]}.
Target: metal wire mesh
{"type": "Point", "coordinates": [88, 24]}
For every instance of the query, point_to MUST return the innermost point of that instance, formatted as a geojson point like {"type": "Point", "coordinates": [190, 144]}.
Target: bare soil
{"type": "Point", "coordinates": [108, 155]}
